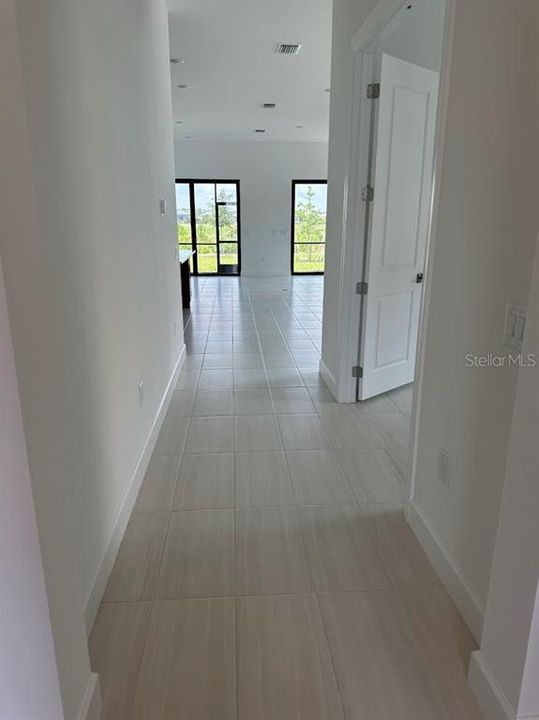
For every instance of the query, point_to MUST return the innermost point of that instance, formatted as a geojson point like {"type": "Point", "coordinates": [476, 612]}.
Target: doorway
{"type": "Point", "coordinates": [403, 110]}
{"type": "Point", "coordinates": [389, 194]}
{"type": "Point", "coordinates": [208, 223]}
{"type": "Point", "coordinates": [308, 231]}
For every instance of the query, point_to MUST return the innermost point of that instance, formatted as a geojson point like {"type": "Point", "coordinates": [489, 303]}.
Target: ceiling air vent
{"type": "Point", "coordinates": [260, 130]}
{"type": "Point", "coordinates": [269, 106]}
{"type": "Point", "coordinates": [288, 49]}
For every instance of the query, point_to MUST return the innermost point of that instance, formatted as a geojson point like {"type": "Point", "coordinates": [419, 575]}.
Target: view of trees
{"type": "Point", "coordinates": [309, 231]}
{"type": "Point", "coordinates": [205, 215]}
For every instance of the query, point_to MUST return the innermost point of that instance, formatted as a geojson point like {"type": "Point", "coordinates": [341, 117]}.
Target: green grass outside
{"type": "Point", "coordinates": [308, 258]}
{"type": "Point", "coordinates": [309, 267]}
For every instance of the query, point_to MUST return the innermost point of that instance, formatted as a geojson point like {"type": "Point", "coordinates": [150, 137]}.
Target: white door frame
{"type": "Point", "coordinates": [354, 209]}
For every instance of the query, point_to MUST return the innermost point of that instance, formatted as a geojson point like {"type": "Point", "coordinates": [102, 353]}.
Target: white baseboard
{"type": "Point", "coordinates": [328, 378]}
{"type": "Point", "coordinates": [91, 705]}
{"type": "Point", "coordinates": [464, 597]}
{"type": "Point", "coordinates": [124, 513]}
{"type": "Point", "coordinates": [489, 695]}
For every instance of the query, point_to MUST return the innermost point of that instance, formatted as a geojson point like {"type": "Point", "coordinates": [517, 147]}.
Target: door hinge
{"type": "Point", "coordinates": [367, 193]}
{"type": "Point", "coordinates": [362, 287]}
{"type": "Point", "coordinates": [373, 91]}
{"type": "Point", "coordinates": [357, 371]}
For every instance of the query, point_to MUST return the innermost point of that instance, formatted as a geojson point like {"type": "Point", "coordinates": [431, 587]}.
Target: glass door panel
{"type": "Point", "coordinates": [309, 200]}
{"type": "Point", "coordinates": [227, 226]}
{"type": "Point", "coordinates": [208, 222]}
{"type": "Point", "coordinates": [183, 217]}
{"type": "Point", "coordinates": [309, 257]}
{"type": "Point", "coordinates": [205, 228]}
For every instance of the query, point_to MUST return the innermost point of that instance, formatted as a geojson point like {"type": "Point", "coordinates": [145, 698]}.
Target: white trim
{"type": "Point", "coordinates": [464, 597]}
{"type": "Point", "coordinates": [91, 705]}
{"type": "Point", "coordinates": [379, 17]}
{"type": "Point", "coordinates": [491, 698]}
{"type": "Point", "coordinates": [328, 378]}
{"type": "Point", "coordinates": [126, 507]}
{"type": "Point", "coordinates": [349, 309]}
{"type": "Point", "coordinates": [443, 102]}
{"type": "Point", "coordinates": [353, 224]}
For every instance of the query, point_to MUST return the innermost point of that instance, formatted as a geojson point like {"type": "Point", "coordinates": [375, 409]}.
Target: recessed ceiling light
{"type": "Point", "coordinates": [260, 130]}
{"type": "Point", "coordinates": [179, 122]}
{"type": "Point", "coordinates": [177, 61]}
{"type": "Point", "coordinates": [188, 137]}
{"type": "Point", "coordinates": [269, 105]}
{"type": "Point", "coordinates": [184, 86]}
{"type": "Point", "coordinates": [327, 89]}
{"type": "Point", "coordinates": [299, 127]}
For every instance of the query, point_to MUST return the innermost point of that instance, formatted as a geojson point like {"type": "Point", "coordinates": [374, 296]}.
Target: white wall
{"type": "Point", "coordinates": [24, 254]}
{"type": "Point", "coordinates": [529, 692]}
{"type": "Point", "coordinates": [265, 171]}
{"type": "Point", "coordinates": [485, 236]}
{"type": "Point", "coordinates": [510, 640]}
{"type": "Point", "coordinates": [29, 685]}
{"type": "Point", "coordinates": [483, 252]}
{"type": "Point", "coordinates": [91, 279]}
{"type": "Point", "coordinates": [348, 16]}
{"type": "Point", "coordinates": [417, 35]}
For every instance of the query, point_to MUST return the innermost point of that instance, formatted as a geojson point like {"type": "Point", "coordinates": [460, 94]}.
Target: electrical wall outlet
{"type": "Point", "coordinates": [443, 465]}
{"type": "Point", "coordinates": [515, 322]}
{"type": "Point", "coordinates": [162, 206]}
{"type": "Point", "coordinates": [140, 393]}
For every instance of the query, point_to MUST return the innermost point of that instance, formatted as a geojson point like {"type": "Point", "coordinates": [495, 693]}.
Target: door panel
{"type": "Point", "coordinates": [402, 180]}
{"type": "Point", "coordinates": [406, 158]}
{"type": "Point", "coordinates": [394, 315]}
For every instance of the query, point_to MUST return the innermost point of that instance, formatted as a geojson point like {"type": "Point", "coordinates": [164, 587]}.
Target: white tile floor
{"type": "Point", "coordinates": [267, 572]}
{"type": "Point", "coordinates": [253, 349]}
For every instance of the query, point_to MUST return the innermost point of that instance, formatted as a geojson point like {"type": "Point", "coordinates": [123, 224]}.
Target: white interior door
{"type": "Point", "coordinates": [402, 162]}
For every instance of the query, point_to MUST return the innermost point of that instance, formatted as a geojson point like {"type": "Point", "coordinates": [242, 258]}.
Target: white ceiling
{"type": "Point", "coordinates": [230, 64]}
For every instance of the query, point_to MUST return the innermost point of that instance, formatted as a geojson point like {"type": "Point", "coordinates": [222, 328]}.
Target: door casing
{"type": "Point", "coordinates": [354, 211]}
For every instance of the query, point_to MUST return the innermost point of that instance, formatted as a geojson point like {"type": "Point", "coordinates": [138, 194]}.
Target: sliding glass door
{"type": "Point", "coordinates": [208, 221]}
{"type": "Point", "coordinates": [309, 201]}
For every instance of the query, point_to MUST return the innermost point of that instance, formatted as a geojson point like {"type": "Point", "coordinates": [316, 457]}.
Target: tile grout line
{"type": "Point", "coordinates": [322, 620]}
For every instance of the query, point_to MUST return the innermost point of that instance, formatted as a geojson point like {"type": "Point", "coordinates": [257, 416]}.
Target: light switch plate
{"type": "Point", "coordinates": [515, 323]}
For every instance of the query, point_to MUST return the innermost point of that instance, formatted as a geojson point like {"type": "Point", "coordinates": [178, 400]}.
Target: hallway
{"type": "Point", "coordinates": [267, 572]}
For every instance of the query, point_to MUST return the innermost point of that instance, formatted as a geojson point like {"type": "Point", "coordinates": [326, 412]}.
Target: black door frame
{"type": "Point", "coordinates": [191, 182]}
{"type": "Point", "coordinates": [293, 225]}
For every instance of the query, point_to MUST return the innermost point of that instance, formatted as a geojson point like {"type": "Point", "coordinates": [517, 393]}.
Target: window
{"type": "Point", "coordinates": [208, 221]}
{"type": "Point", "coordinates": [309, 201]}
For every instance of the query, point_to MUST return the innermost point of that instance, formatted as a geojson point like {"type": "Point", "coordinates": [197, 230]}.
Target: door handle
{"type": "Point", "coordinates": [419, 278]}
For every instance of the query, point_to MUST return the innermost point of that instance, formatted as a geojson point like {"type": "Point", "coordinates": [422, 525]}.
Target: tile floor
{"type": "Point", "coordinates": [267, 572]}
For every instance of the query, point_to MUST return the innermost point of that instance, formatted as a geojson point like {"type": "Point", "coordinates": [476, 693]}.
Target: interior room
{"type": "Point", "coordinates": [269, 398]}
